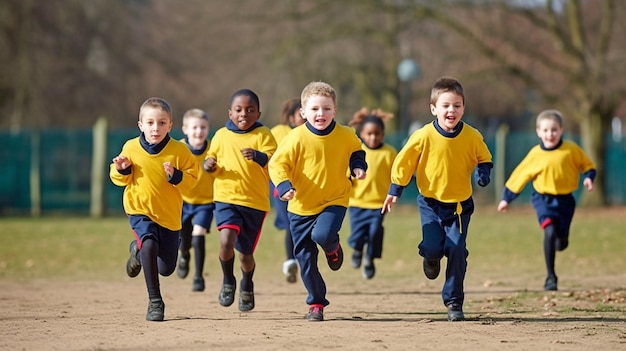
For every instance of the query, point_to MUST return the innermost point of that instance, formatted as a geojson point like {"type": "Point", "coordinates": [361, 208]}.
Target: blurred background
{"type": "Point", "coordinates": [73, 74]}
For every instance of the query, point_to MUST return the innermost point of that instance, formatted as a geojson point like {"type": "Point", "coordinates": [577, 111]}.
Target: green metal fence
{"type": "Point", "coordinates": [49, 171]}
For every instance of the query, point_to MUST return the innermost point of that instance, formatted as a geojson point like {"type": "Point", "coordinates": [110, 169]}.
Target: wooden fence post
{"type": "Point", "coordinates": [35, 174]}
{"type": "Point", "coordinates": [500, 164]}
{"type": "Point", "coordinates": [98, 168]}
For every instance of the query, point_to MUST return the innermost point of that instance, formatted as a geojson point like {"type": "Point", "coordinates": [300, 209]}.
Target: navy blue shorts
{"type": "Point", "coordinates": [554, 208]}
{"type": "Point", "coordinates": [201, 215]}
{"type": "Point", "coordinates": [144, 227]}
{"type": "Point", "coordinates": [246, 221]}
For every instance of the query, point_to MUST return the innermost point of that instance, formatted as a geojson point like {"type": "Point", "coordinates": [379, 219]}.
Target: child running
{"type": "Point", "coordinates": [154, 169]}
{"type": "Point", "coordinates": [554, 167]}
{"type": "Point", "coordinates": [366, 219]}
{"type": "Point", "coordinates": [198, 203]}
{"type": "Point", "coordinates": [309, 170]}
{"type": "Point", "coordinates": [443, 156]}
{"type": "Point", "coordinates": [289, 119]}
{"type": "Point", "coordinates": [238, 159]}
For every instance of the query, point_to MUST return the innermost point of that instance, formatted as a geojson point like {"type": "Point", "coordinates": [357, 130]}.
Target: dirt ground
{"type": "Point", "coordinates": [381, 314]}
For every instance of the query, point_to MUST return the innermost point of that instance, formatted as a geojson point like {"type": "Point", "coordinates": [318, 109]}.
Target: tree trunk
{"type": "Point", "coordinates": [594, 144]}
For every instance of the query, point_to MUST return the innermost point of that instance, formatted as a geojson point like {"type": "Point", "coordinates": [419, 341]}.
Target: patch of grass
{"type": "Point", "coordinates": [505, 249]}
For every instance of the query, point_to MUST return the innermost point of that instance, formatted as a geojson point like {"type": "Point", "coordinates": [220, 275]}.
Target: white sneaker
{"type": "Point", "coordinates": [290, 270]}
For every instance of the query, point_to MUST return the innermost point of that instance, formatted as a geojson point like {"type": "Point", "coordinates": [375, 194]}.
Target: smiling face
{"type": "Point", "coordinates": [155, 124]}
{"type": "Point", "coordinates": [550, 132]}
{"type": "Point", "coordinates": [244, 111]}
{"type": "Point", "coordinates": [319, 111]}
{"type": "Point", "coordinates": [448, 109]}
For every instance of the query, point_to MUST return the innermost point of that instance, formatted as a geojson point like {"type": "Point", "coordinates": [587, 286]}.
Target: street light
{"type": "Point", "coordinates": [408, 71]}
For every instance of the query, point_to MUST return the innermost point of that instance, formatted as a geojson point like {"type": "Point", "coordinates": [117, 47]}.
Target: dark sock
{"type": "Point", "coordinates": [227, 270]}
{"type": "Point", "coordinates": [149, 251]}
{"type": "Point", "coordinates": [199, 250]}
{"type": "Point", "coordinates": [246, 281]}
{"type": "Point", "coordinates": [289, 246]}
{"type": "Point", "coordinates": [549, 248]}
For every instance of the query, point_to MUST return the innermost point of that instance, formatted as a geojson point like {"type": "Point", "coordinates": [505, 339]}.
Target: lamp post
{"type": "Point", "coordinates": [408, 71]}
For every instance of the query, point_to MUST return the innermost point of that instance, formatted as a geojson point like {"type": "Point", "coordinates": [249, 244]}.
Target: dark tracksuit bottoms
{"type": "Point", "coordinates": [307, 232]}
{"type": "Point", "coordinates": [444, 233]}
{"type": "Point", "coordinates": [366, 229]}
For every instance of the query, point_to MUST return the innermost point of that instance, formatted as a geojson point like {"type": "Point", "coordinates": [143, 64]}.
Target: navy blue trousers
{"type": "Point", "coordinates": [366, 228]}
{"type": "Point", "coordinates": [308, 232]}
{"type": "Point", "coordinates": [444, 233]}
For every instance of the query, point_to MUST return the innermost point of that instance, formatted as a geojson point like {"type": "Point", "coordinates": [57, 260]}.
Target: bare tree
{"type": "Point", "coordinates": [518, 56]}
{"type": "Point", "coordinates": [67, 62]}
{"type": "Point", "coordinates": [561, 51]}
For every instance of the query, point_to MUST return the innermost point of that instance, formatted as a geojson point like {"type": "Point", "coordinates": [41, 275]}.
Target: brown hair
{"type": "Point", "coordinates": [290, 107]}
{"type": "Point", "coordinates": [444, 85]}
{"type": "Point", "coordinates": [363, 116]}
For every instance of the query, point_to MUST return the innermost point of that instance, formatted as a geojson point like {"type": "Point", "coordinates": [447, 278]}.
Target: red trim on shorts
{"type": "Point", "coordinates": [546, 222]}
{"type": "Point", "coordinates": [230, 226]}
{"type": "Point", "coordinates": [258, 235]}
{"type": "Point", "coordinates": [139, 242]}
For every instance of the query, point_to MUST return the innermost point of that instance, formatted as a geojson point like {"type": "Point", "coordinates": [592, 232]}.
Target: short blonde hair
{"type": "Point", "coordinates": [318, 88]}
{"type": "Point", "coordinates": [195, 113]}
{"type": "Point", "coordinates": [554, 115]}
{"type": "Point", "coordinates": [156, 103]}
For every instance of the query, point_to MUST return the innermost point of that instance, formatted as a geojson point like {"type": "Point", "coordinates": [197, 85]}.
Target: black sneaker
{"type": "Point", "coordinates": [357, 256]}
{"type": "Point", "coordinates": [316, 314]}
{"type": "Point", "coordinates": [551, 283]}
{"type": "Point", "coordinates": [156, 310]}
{"type": "Point", "coordinates": [133, 265]}
{"type": "Point", "coordinates": [368, 268]}
{"type": "Point", "coordinates": [227, 295]}
{"type": "Point", "coordinates": [335, 259]}
{"type": "Point", "coordinates": [246, 301]}
{"type": "Point", "coordinates": [432, 268]}
{"type": "Point", "coordinates": [198, 284]}
{"type": "Point", "coordinates": [182, 268]}
{"type": "Point", "coordinates": [455, 313]}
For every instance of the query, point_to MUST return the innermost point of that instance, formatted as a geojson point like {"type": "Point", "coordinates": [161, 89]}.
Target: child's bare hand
{"type": "Point", "coordinates": [359, 173]}
{"type": "Point", "coordinates": [288, 195]}
{"type": "Point", "coordinates": [503, 206]}
{"type": "Point", "coordinates": [121, 162]}
{"type": "Point", "coordinates": [588, 183]}
{"type": "Point", "coordinates": [169, 170]}
{"type": "Point", "coordinates": [389, 200]}
{"type": "Point", "coordinates": [248, 153]}
{"type": "Point", "coordinates": [210, 164]}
